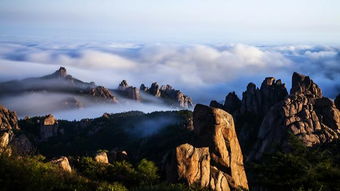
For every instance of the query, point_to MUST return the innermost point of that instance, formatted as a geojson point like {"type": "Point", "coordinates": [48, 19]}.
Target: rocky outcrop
{"type": "Point", "coordinates": [8, 119]}
{"type": "Point", "coordinates": [21, 145]}
{"type": "Point", "coordinates": [214, 159]}
{"type": "Point", "coordinates": [101, 157]}
{"type": "Point", "coordinates": [103, 94]}
{"type": "Point", "coordinates": [170, 95]}
{"type": "Point", "coordinates": [62, 163]}
{"type": "Point", "coordinates": [232, 103]}
{"type": "Point", "coordinates": [304, 85]}
{"type": "Point", "coordinates": [48, 127]}
{"type": "Point", "coordinates": [305, 114]}
{"type": "Point", "coordinates": [129, 92]}
{"type": "Point", "coordinates": [259, 101]}
{"type": "Point", "coordinates": [337, 101]}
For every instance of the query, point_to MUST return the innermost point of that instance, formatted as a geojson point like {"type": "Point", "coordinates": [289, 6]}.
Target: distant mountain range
{"type": "Point", "coordinates": [77, 93]}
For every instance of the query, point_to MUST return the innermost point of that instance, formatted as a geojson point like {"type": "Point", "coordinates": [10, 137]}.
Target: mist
{"type": "Point", "coordinates": [149, 127]}
{"type": "Point", "coordinates": [201, 71]}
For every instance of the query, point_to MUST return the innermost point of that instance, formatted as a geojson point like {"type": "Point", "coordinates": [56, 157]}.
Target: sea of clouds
{"type": "Point", "coordinates": [203, 71]}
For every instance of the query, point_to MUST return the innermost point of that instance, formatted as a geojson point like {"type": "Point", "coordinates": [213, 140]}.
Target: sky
{"type": "Point", "coordinates": [199, 21]}
{"type": "Point", "coordinates": [203, 48]}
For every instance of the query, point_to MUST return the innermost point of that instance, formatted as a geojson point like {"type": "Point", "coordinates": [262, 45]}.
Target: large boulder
{"type": "Point", "coordinates": [101, 157]}
{"type": "Point", "coordinates": [48, 127]}
{"type": "Point", "coordinates": [305, 114]}
{"type": "Point", "coordinates": [62, 163]}
{"type": "Point", "coordinates": [214, 159]}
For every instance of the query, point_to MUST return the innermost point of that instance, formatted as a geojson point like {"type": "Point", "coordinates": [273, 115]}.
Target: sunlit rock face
{"type": "Point", "coordinates": [214, 160]}
{"type": "Point", "coordinates": [129, 92]}
{"type": "Point", "coordinates": [305, 113]}
{"type": "Point", "coordinates": [11, 138]}
{"type": "Point", "coordinates": [8, 119]}
{"type": "Point", "coordinates": [170, 95]}
{"type": "Point", "coordinates": [101, 157]}
{"type": "Point", "coordinates": [62, 163]}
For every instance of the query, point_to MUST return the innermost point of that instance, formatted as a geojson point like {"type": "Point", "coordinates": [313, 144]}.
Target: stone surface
{"type": "Point", "coordinates": [21, 145]}
{"type": "Point", "coordinates": [102, 93]}
{"type": "Point", "coordinates": [169, 95]}
{"type": "Point", "coordinates": [214, 159]}
{"type": "Point", "coordinates": [62, 163]}
{"type": "Point", "coordinates": [101, 157]}
{"type": "Point", "coordinates": [8, 119]}
{"type": "Point", "coordinates": [129, 92]}
{"type": "Point", "coordinates": [305, 114]}
{"type": "Point", "coordinates": [304, 85]}
{"type": "Point", "coordinates": [258, 101]}
{"type": "Point", "coordinates": [48, 127]}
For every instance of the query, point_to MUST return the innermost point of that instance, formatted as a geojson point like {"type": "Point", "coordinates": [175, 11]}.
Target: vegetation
{"type": "Point", "coordinates": [301, 169]}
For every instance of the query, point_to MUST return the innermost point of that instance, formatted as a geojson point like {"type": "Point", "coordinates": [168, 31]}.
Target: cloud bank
{"type": "Point", "coordinates": [202, 71]}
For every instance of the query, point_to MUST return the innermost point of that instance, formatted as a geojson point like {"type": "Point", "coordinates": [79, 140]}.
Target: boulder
{"type": "Point", "coordinates": [214, 159]}
{"type": "Point", "coordinates": [48, 127]}
{"type": "Point", "coordinates": [101, 157]}
{"type": "Point", "coordinates": [62, 163]}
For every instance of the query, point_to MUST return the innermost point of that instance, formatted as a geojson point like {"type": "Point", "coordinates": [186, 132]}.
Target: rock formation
{"type": "Point", "coordinates": [8, 119]}
{"type": "Point", "coordinates": [170, 95]}
{"type": "Point", "coordinates": [103, 94]}
{"type": "Point", "coordinates": [11, 142]}
{"type": "Point", "coordinates": [48, 127]}
{"type": "Point", "coordinates": [259, 101]}
{"type": "Point", "coordinates": [62, 163]}
{"type": "Point", "coordinates": [101, 157]}
{"type": "Point", "coordinates": [129, 92]}
{"type": "Point", "coordinates": [232, 103]}
{"type": "Point", "coordinates": [116, 155]}
{"type": "Point", "coordinates": [305, 113]}
{"type": "Point", "coordinates": [214, 159]}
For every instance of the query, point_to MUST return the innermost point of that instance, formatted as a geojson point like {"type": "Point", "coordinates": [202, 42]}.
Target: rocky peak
{"type": "Point", "coordinates": [143, 88]}
{"type": "Point", "coordinates": [305, 114]}
{"type": "Point", "coordinates": [123, 85]}
{"type": "Point", "coordinates": [102, 93]}
{"type": "Point", "coordinates": [232, 102]}
{"type": "Point", "coordinates": [154, 90]}
{"type": "Point", "coordinates": [60, 73]}
{"type": "Point", "coordinates": [129, 91]}
{"type": "Point", "coordinates": [215, 159]}
{"type": "Point", "coordinates": [304, 85]}
{"type": "Point", "coordinates": [62, 163]}
{"type": "Point", "coordinates": [170, 95]}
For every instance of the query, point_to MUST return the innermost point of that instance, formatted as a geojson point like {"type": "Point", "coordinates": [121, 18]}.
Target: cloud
{"type": "Point", "coordinates": [203, 71]}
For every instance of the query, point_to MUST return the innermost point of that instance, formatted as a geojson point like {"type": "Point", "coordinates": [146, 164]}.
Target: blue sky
{"type": "Point", "coordinates": [232, 21]}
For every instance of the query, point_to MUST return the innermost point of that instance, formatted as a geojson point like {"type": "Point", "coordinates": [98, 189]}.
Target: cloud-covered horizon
{"type": "Point", "coordinates": [202, 71]}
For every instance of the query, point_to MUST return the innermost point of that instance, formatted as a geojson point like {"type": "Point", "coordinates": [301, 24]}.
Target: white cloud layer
{"type": "Point", "coordinates": [195, 68]}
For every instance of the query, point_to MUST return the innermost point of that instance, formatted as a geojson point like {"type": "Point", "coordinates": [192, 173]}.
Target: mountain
{"type": "Point", "coordinates": [60, 91]}
{"type": "Point", "coordinates": [266, 116]}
